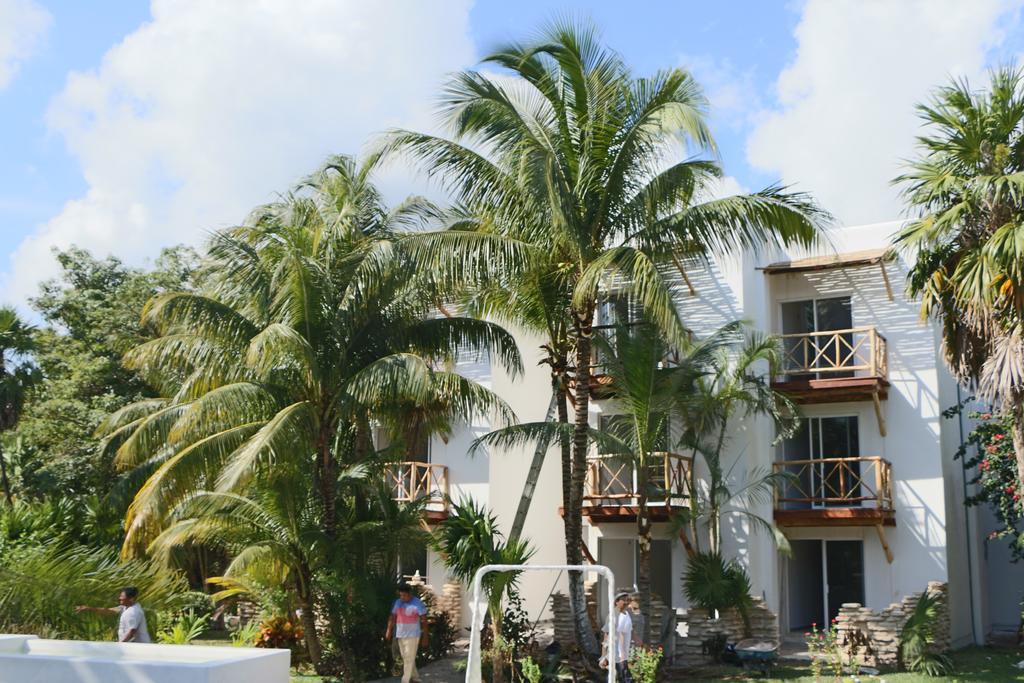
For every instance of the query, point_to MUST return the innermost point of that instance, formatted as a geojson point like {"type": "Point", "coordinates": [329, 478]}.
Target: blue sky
{"type": "Point", "coordinates": [128, 126]}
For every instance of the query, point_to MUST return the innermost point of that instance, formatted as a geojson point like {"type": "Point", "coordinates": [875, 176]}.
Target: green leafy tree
{"type": "Point", "coordinates": [17, 374]}
{"type": "Point", "coordinates": [591, 172]}
{"type": "Point", "coordinates": [966, 238]}
{"type": "Point", "coordinates": [469, 539]}
{"type": "Point", "coordinates": [91, 316]}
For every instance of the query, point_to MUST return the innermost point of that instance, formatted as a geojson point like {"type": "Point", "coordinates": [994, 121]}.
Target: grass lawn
{"type": "Point", "coordinates": [971, 665]}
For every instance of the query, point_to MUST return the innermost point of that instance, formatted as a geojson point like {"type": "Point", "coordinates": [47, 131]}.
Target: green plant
{"type": "Point", "coordinates": [530, 670]}
{"type": "Point", "coordinates": [826, 653]}
{"type": "Point", "coordinates": [917, 640]}
{"type": "Point", "coordinates": [245, 635]}
{"type": "Point", "coordinates": [183, 629]}
{"type": "Point", "coordinates": [279, 632]}
{"type": "Point", "coordinates": [644, 662]}
{"type": "Point", "coordinates": [993, 470]}
{"type": "Point", "coordinates": [714, 584]}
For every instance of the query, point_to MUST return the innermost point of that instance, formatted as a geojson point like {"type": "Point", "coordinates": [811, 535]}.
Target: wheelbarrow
{"type": "Point", "coordinates": [757, 654]}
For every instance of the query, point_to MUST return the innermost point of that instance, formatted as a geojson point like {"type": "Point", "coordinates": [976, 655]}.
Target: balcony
{"type": "Point", "coordinates": [835, 492]}
{"type": "Point", "coordinates": [420, 481]}
{"type": "Point", "coordinates": [834, 366]}
{"type": "Point", "coordinates": [610, 493]}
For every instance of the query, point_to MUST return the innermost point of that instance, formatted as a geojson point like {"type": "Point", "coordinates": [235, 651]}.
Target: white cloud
{"type": "Point", "coordinates": [845, 117]}
{"type": "Point", "coordinates": [212, 107]}
{"type": "Point", "coordinates": [23, 26]}
{"type": "Point", "coordinates": [732, 93]}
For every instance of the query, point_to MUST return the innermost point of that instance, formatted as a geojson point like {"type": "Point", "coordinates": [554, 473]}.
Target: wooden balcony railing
{"type": "Point", "coordinates": [612, 482]}
{"type": "Point", "coordinates": [864, 482]}
{"type": "Point", "coordinates": [856, 352]}
{"type": "Point", "coordinates": [416, 481]}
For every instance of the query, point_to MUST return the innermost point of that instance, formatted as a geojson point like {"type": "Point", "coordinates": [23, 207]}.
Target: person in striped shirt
{"type": "Point", "coordinates": [408, 624]}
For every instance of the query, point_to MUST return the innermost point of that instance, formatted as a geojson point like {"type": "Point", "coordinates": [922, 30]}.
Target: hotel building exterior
{"type": "Point", "coordinates": [876, 507]}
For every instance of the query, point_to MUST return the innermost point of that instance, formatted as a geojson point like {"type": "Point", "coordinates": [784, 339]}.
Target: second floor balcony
{"type": "Point", "coordinates": [834, 366]}
{"type": "Point", "coordinates": [610, 493]}
{"type": "Point", "coordinates": [424, 482]}
{"type": "Point", "coordinates": [853, 491]}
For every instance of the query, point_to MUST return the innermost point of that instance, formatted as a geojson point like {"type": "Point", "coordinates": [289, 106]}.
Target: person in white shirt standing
{"type": "Point", "coordinates": [623, 638]}
{"type": "Point", "coordinates": [131, 624]}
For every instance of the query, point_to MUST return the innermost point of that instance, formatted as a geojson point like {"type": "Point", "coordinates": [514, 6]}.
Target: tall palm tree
{"type": "Point", "coordinates": [17, 374]}
{"type": "Point", "coordinates": [966, 236]}
{"type": "Point", "coordinates": [469, 539]}
{"type": "Point", "coordinates": [592, 172]}
{"type": "Point", "coordinates": [307, 334]}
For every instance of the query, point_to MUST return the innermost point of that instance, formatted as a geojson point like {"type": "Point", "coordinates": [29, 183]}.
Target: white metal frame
{"type": "Point", "coordinates": [478, 610]}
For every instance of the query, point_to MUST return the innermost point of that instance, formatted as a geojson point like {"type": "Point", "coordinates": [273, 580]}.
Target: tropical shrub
{"type": "Point", "coordinates": [644, 662]}
{"type": "Point", "coordinates": [279, 632]}
{"type": "Point", "coordinates": [715, 584]}
{"type": "Point", "coordinates": [917, 640]}
{"type": "Point", "coordinates": [246, 634]}
{"type": "Point", "coordinates": [993, 470]}
{"type": "Point", "coordinates": [182, 629]}
{"type": "Point", "coordinates": [40, 585]}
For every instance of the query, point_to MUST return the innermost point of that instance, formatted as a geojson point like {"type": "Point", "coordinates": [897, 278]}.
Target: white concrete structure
{"type": "Point", "coordinates": [880, 507]}
{"type": "Point", "coordinates": [27, 659]}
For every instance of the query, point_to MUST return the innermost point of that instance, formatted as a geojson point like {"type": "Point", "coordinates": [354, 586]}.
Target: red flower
{"type": "Point", "coordinates": [992, 449]}
{"type": "Point", "coordinates": [999, 437]}
{"type": "Point", "coordinates": [985, 416]}
{"type": "Point", "coordinates": [1009, 489]}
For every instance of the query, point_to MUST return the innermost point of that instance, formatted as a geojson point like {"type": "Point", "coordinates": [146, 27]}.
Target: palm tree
{"type": "Point", "coordinates": [736, 385]}
{"type": "Point", "coordinates": [273, 531]}
{"type": "Point", "coordinates": [469, 539]}
{"type": "Point", "coordinates": [17, 374]}
{"type": "Point", "coordinates": [307, 335]}
{"type": "Point", "coordinates": [967, 235]}
{"type": "Point", "coordinates": [585, 165]}
{"type": "Point", "coordinates": [650, 384]}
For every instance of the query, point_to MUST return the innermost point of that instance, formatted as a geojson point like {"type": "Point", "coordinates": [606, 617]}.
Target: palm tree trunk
{"type": "Point", "coordinates": [533, 474]}
{"type": "Point", "coordinates": [566, 447]}
{"type": "Point", "coordinates": [643, 579]}
{"type": "Point", "coordinates": [327, 478]}
{"type": "Point", "coordinates": [573, 519]}
{"type": "Point", "coordinates": [3, 478]}
{"type": "Point", "coordinates": [308, 619]}
{"type": "Point", "coordinates": [497, 653]}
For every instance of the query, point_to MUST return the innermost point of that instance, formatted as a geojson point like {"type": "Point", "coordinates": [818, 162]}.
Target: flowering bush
{"type": "Point", "coordinates": [644, 662]}
{"type": "Point", "coordinates": [279, 632]}
{"type": "Point", "coordinates": [826, 655]}
{"type": "Point", "coordinates": [993, 470]}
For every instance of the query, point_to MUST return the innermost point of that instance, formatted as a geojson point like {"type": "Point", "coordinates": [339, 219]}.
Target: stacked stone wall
{"type": "Point", "coordinates": [872, 638]}
{"type": "Point", "coordinates": [701, 629]}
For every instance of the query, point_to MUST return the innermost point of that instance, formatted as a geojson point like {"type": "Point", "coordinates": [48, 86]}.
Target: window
{"type": "Point", "coordinates": [810, 349]}
{"type": "Point", "coordinates": [829, 482]}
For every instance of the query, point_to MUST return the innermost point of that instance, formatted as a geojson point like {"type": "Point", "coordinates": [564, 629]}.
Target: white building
{"type": "Point", "coordinates": [879, 511]}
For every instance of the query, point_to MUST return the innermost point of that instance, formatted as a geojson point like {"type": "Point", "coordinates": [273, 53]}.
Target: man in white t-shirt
{"type": "Point", "coordinates": [623, 638]}
{"type": "Point", "coordinates": [131, 623]}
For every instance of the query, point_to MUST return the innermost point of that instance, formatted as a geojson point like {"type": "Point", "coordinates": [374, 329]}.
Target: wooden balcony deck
{"type": "Point", "coordinates": [834, 366]}
{"type": "Point", "coordinates": [611, 487]}
{"type": "Point", "coordinates": [835, 492]}
{"type": "Point", "coordinates": [421, 481]}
